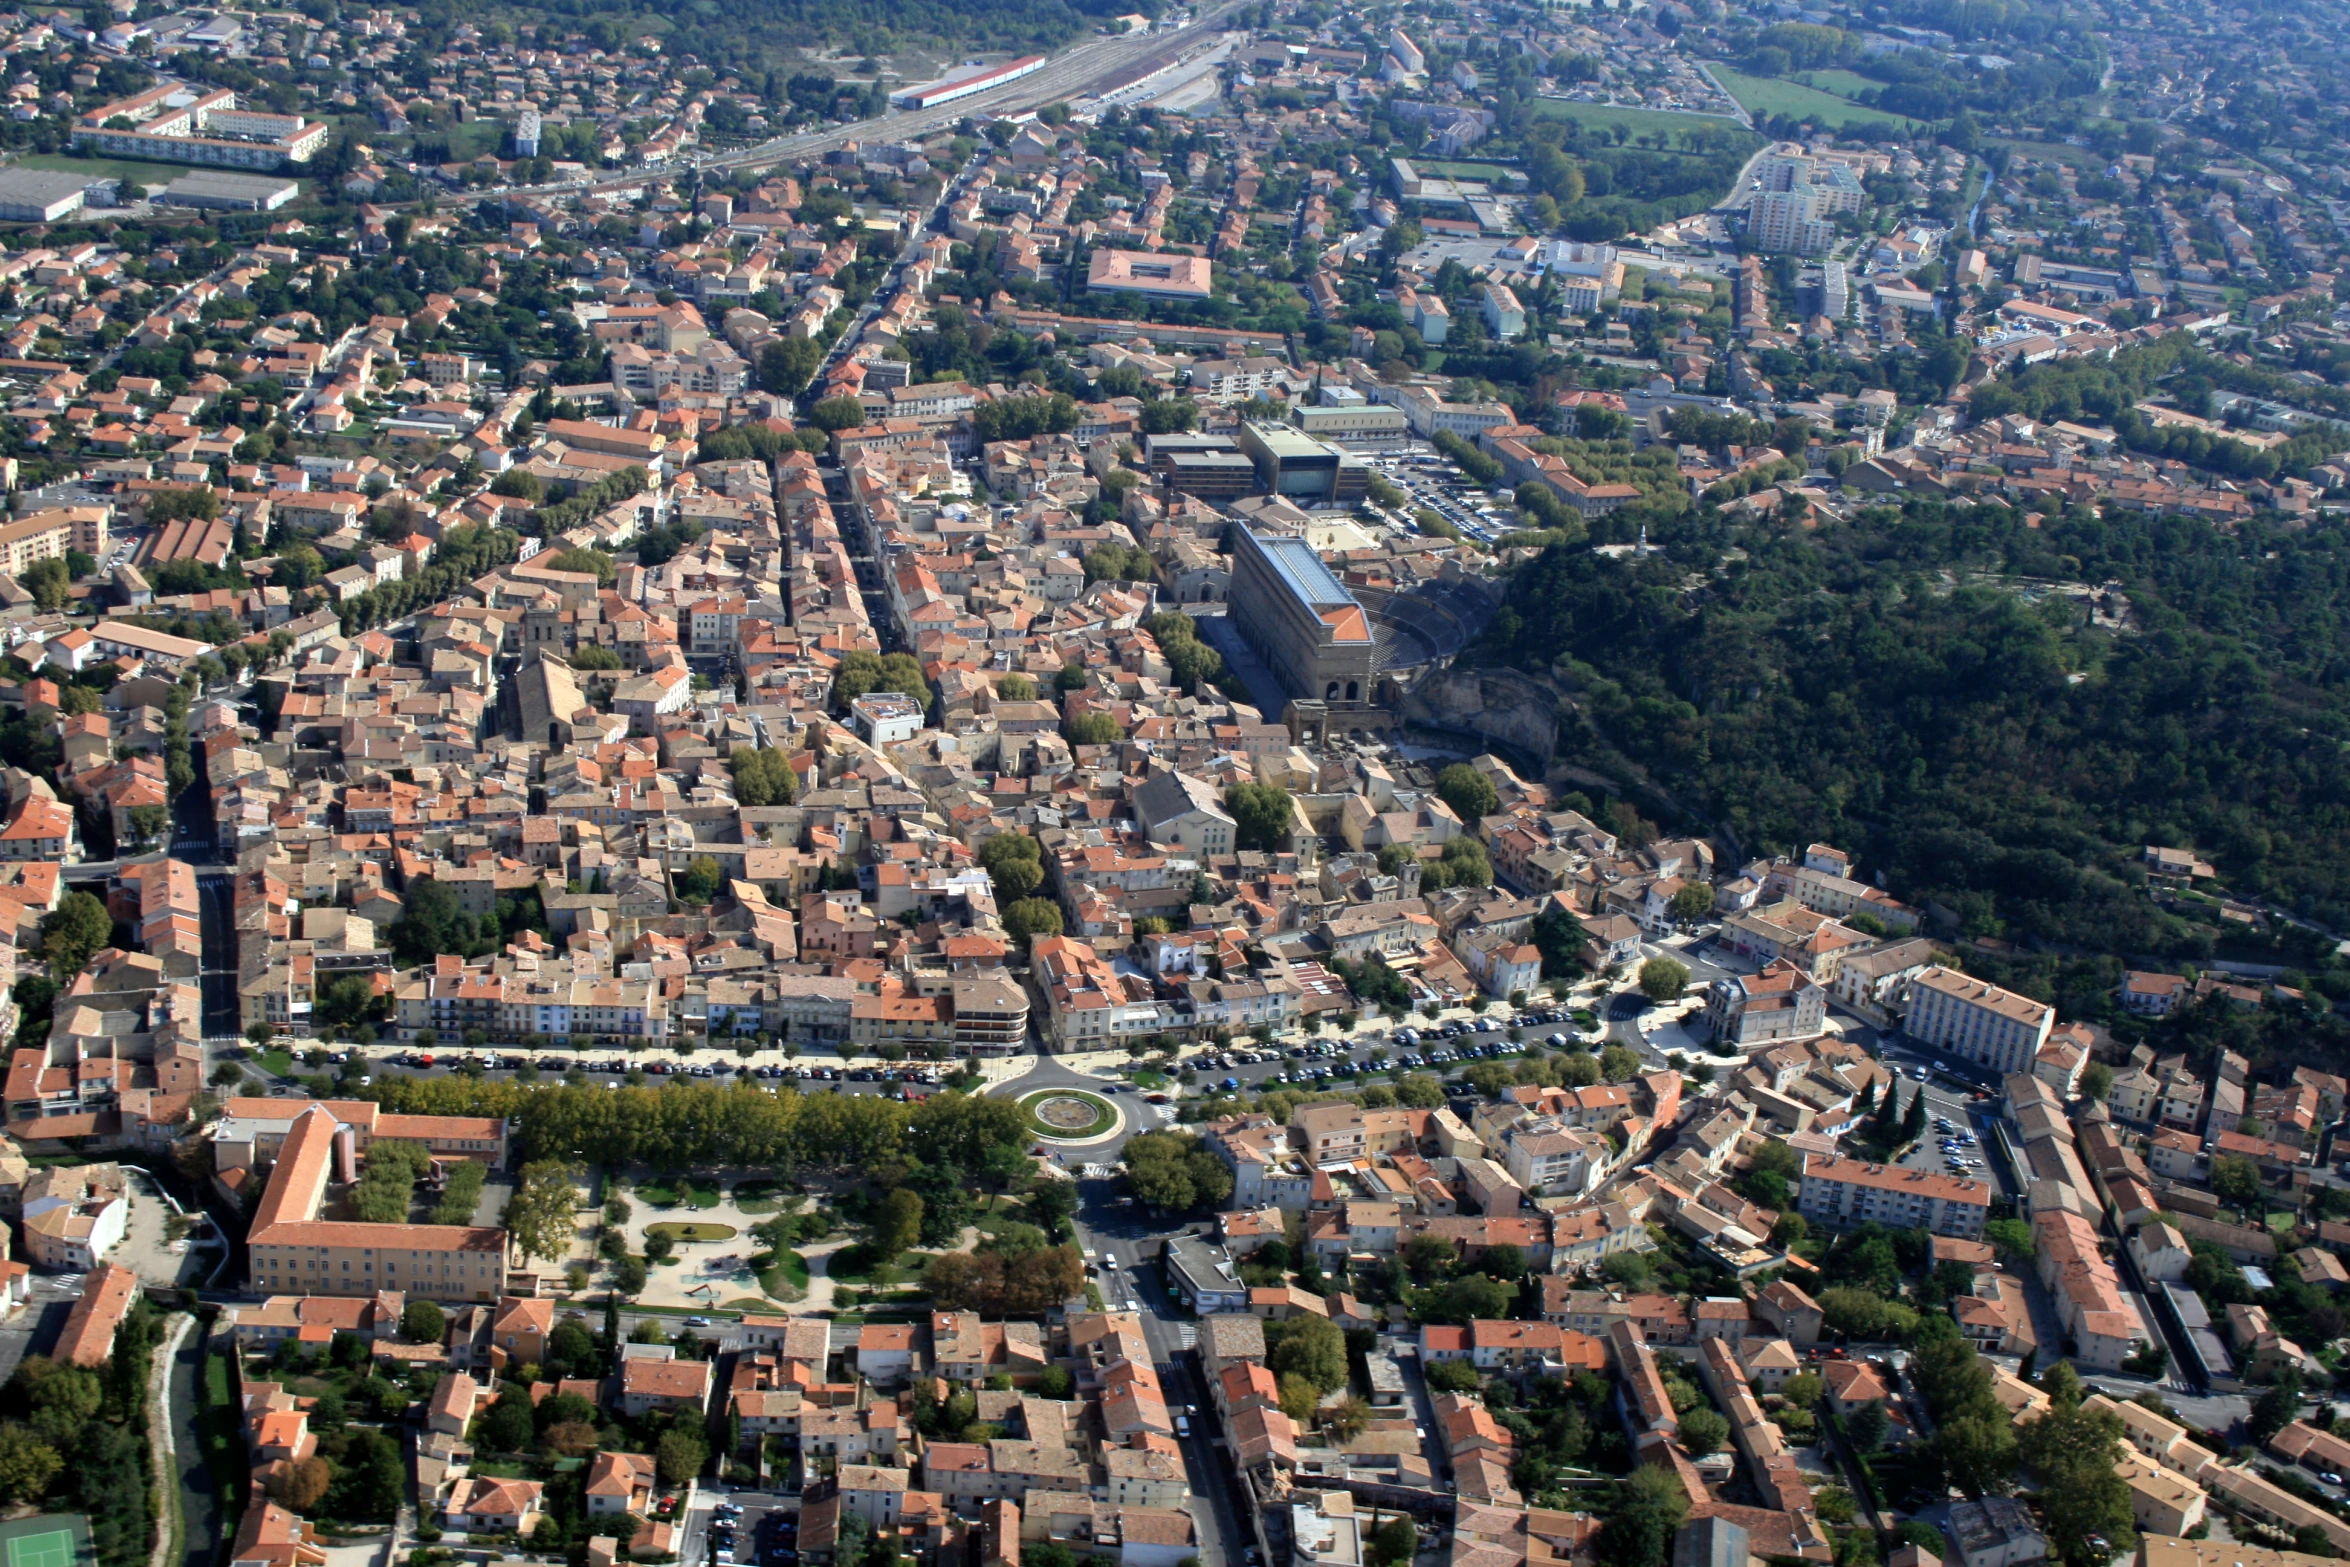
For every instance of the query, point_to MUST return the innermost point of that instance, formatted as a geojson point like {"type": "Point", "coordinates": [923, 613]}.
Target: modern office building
{"type": "Point", "coordinates": [1300, 469]}
{"type": "Point", "coordinates": [1377, 422]}
{"type": "Point", "coordinates": [1216, 476]}
{"type": "Point", "coordinates": [1311, 632]}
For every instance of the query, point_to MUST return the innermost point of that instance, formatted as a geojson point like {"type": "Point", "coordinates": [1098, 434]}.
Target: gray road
{"type": "Point", "coordinates": [1102, 1225]}
{"type": "Point", "coordinates": [1051, 1072]}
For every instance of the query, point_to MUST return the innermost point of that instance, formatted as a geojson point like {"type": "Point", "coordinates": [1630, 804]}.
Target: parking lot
{"type": "Point", "coordinates": [764, 1529]}
{"type": "Point", "coordinates": [34, 1329]}
{"type": "Point", "coordinates": [1436, 483]}
{"type": "Point", "coordinates": [1456, 1043]}
{"type": "Point", "coordinates": [910, 1081]}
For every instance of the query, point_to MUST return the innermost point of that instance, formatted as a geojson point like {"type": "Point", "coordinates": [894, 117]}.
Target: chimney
{"type": "Point", "coordinates": [346, 1153]}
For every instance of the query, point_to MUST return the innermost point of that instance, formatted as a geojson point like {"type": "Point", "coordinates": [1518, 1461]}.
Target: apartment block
{"type": "Point", "coordinates": [1840, 1193]}
{"type": "Point", "coordinates": [1978, 1020]}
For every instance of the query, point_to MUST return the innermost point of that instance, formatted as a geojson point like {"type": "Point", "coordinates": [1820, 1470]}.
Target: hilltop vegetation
{"type": "Point", "coordinates": [1897, 686]}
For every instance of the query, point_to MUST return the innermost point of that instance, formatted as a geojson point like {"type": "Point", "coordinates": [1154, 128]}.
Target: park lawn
{"type": "Point", "coordinates": [668, 1194]}
{"type": "Point", "coordinates": [1769, 95]}
{"type": "Point", "coordinates": [858, 1265]}
{"type": "Point", "coordinates": [697, 1232]}
{"type": "Point", "coordinates": [996, 1210]}
{"type": "Point", "coordinates": [138, 171]}
{"type": "Point", "coordinates": [1843, 84]}
{"type": "Point", "coordinates": [1636, 122]}
{"type": "Point", "coordinates": [277, 1063]}
{"type": "Point", "coordinates": [786, 1279]}
{"type": "Point", "coordinates": [476, 137]}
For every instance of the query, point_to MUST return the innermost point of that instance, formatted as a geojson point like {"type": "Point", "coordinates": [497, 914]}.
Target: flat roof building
{"type": "Point", "coordinates": [177, 123]}
{"type": "Point", "coordinates": [230, 192]}
{"type": "Point", "coordinates": [1298, 468]}
{"type": "Point", "coordinates": [39, 195]}
{"type": "Point", "coordinates": [1211, 475]}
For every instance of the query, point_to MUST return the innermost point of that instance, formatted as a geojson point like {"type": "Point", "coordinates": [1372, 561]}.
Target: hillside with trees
{"type": "Point", "coordinates": [1997, 711]}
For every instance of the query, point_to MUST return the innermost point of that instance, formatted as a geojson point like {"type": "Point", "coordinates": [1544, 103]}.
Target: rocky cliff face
{"type": "Point", "coordinates": [1505, 706]}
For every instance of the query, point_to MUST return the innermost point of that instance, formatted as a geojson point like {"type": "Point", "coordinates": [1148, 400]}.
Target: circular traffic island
{"type": "Point", "coordinates": [1069, 1115]}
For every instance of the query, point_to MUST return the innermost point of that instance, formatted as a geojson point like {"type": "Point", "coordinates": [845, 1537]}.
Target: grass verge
{"type": "Point", "coordinates": [1105, 1115]}
{"type": "Point", "coordinates": [691, 1193]}
{"type": "Point", "coordinates": [786, 1277]}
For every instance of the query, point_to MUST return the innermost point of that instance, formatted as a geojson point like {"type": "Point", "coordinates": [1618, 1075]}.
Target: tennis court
{"type": "Point", "coordinates": [45, 1540]}
{"type": "Point", "coordinates": [50, 1548]}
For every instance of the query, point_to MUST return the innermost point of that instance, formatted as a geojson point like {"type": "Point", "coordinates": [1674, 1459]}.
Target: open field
{"type": "Point", "coordinates": [1636, 122]}
{"type": "Point", "coordinates": [1766, 96]}
{"type": "Point", "coordinates": [1843, 84]}
{"type": "Point", "coordinates": [107, 168]}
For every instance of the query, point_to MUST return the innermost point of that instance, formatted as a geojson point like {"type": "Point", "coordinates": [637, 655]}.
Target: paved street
{"type": "Point", "coordinates": [1102, 1225]}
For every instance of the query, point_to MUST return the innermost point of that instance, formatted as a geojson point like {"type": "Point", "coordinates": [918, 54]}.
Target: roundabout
{"type": "Point", "coordinates": [1069, 1115]}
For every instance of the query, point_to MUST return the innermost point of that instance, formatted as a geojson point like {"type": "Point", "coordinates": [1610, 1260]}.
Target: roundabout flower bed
{"type": "Point", "coordinates": [1068, 1114]}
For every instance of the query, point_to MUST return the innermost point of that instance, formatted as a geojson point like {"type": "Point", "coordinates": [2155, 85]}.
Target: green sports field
{"type": "Point", "coordinates": [45, 1540]}
{"type": "Point", "coordinates": [135, 171]}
